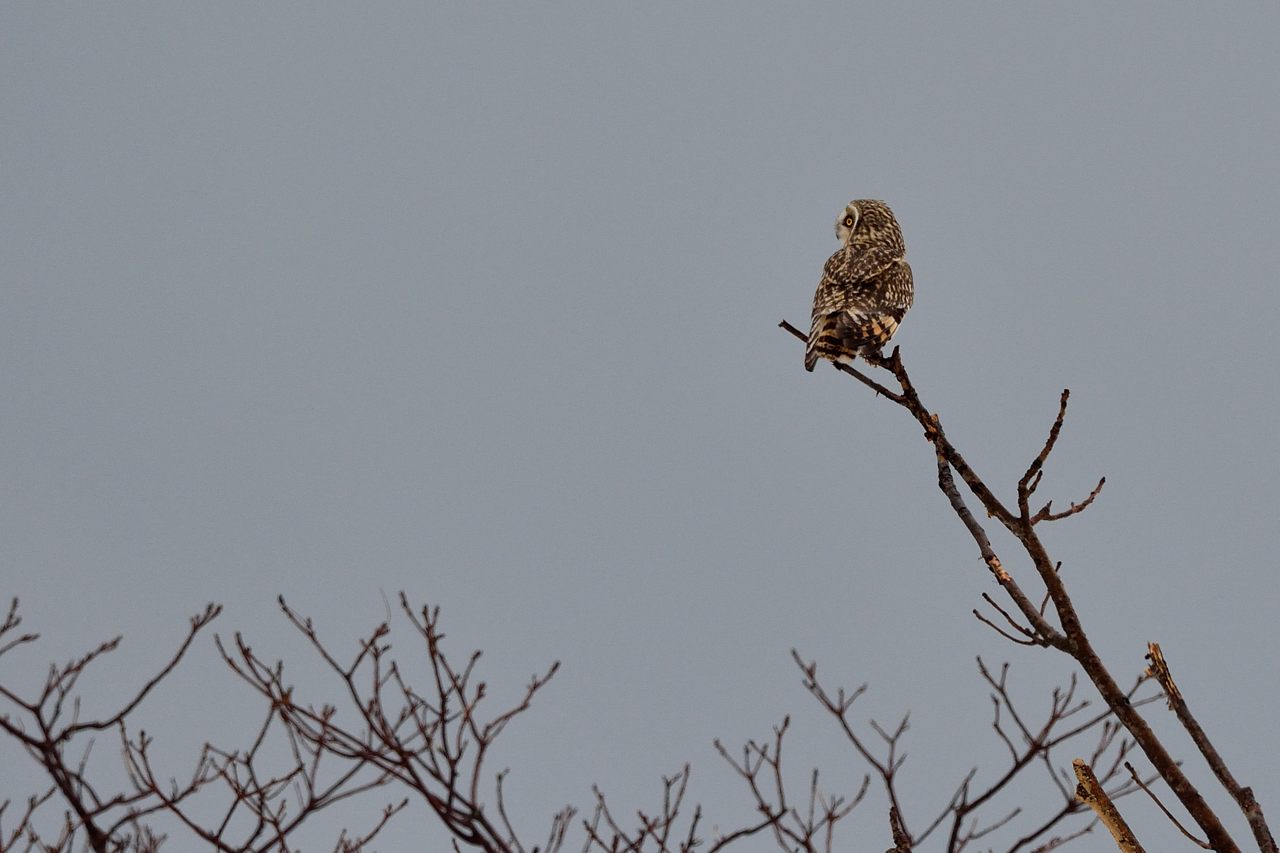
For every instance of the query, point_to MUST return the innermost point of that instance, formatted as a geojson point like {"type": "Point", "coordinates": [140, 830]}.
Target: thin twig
{"type": "Point", "coordinates": [1152, 794]}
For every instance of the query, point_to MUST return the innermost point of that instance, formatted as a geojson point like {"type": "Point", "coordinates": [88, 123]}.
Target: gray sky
{"type": "Point", "coordinates": [479, 302]}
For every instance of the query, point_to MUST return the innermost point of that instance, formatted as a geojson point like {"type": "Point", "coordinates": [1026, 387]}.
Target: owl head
{"type": "Point", "coordinates": [866, 222]}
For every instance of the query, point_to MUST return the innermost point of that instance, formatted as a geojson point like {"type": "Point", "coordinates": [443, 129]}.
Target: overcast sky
{"type": "Point", "coordinates": [479, 302]}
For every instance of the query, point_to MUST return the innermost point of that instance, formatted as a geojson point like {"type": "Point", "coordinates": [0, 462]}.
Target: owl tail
{"type": "Point", "coordinates": [811, 348]}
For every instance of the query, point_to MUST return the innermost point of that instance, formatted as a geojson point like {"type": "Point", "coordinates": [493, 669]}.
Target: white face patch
{"type": "Point", "coordinates": [843, 230]}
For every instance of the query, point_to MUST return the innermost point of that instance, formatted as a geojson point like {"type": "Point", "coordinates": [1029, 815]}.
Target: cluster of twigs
{"type": "Point", "coordinates": [431, 741]}
{"type": "Point", "coordinates": [811, 827]}
{"type": "Point", "coordinates": [49, 728]}
{"type": "Point", "coordinates": [1036, 625]}
{"type": "Point", "coordinates": [101, 812]}
{"type": "Point", "coordinates": [1029, 746]}
{"type": "Point", "coordinates": [434, 743]}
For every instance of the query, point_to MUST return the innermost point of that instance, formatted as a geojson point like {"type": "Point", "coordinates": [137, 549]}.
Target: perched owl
{"type": "Point", "coordinates": [866, 287]}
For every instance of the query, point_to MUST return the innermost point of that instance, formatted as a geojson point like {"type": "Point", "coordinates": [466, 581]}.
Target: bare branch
{"type": "Point", "coordinates": [1028, 636]}
{"type": "Point", "coordinates": [811, 829]}
{"type": "Point", "coordinates": [106, 821]}
{"type": "Point", "coordinates": [198, 622]}
{"type": "Point", "coordinates": [1159, 669]}
{"type": "Point", "coordinates": [1045, 513]}
{"type": "Point", "coordinates": [1152, 794]}
{"type": "Point", "coordinates": [1031, 479]}
{"type": "Point", "coordinates": [433, 742]}
{"type": "Point", "coordinates": [1072, 638]}
{"type": "Point", "coordinates": [1044, 633]}
{"type": "Point", "coordinates": [12, 621]}
{"type": "Point", "coordinates": [1091, 793]}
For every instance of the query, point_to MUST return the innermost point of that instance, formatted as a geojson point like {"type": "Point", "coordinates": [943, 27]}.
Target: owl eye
{"type": "Point", "coordinates": [848, 222]}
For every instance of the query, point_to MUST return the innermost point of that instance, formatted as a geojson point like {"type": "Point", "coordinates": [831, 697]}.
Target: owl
{"type": "Point", "coordinates": [866, 287]}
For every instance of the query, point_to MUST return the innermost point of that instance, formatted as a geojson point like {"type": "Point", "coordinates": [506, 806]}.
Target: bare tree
{"type": "Point", "coordinates": [432, 742]}
{"type": "Point", "coordinates": [373, 728]}
{"type": "Point", "coordinates": [1037, 625]}
{"type": "Point", "coordinates": [114, 811]}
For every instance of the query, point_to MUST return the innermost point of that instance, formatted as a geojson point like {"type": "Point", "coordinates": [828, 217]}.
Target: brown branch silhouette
{"type": "Point", "coordinates": [266, 806]}
{"type": "Point", "coordinates": [1028, 747]}
{"type": "Point", "coordinates": [1070, 637]}
{"type": "Point", "coordinates": [434, 739]}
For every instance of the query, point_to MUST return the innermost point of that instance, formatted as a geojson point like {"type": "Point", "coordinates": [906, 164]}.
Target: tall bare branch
{"type": "Point", "coordinates": [1071, 638]}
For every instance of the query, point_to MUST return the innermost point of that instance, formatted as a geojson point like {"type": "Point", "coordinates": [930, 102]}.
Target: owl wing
{"type": "Point", "coordinates": [859, 303]}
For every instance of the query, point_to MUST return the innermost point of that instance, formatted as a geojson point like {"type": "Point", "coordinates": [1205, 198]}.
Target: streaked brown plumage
{"type": "Point", "coordinates": [866, 286]}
